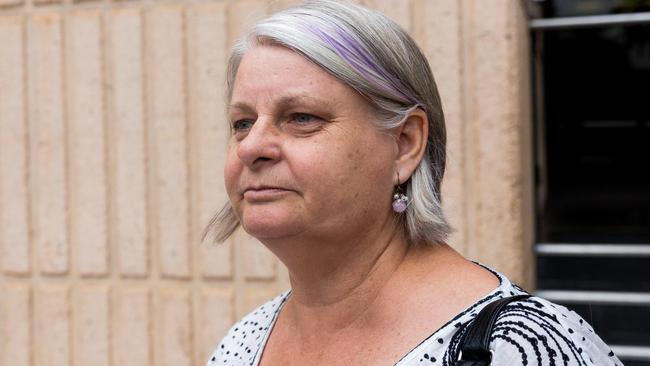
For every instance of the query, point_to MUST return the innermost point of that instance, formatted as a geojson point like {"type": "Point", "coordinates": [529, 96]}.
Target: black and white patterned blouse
{"type": "Point", "coordinates": [528, 332]}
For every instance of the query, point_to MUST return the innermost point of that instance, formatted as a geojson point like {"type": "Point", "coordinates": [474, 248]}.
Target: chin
{"type": "Point", "coordinates": [270, 225]}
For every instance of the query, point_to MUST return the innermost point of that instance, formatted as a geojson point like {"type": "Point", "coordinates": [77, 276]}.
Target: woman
{"type": "Point", "coordinates": [335, 163]}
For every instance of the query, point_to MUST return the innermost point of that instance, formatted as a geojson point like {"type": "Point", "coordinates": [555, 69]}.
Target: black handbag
{"type": "Point", "coordinates": [475, 344]}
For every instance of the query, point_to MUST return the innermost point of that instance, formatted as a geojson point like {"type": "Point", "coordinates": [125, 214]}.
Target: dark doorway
{"type": "Point", "coordinates": [592, 102]}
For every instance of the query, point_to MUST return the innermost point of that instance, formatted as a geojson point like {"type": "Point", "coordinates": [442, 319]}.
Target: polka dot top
{"type": "Point", "coordinates": [531, 332]}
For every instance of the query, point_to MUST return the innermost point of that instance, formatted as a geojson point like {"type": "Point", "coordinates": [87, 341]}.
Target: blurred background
{"type": "Point", "coordinates": [113, 137]}
{"type": "Point", "coordinates": [591, 76]}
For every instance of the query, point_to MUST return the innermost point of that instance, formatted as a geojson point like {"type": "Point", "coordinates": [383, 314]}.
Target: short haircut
{"type": "Point", "coordinates": [373, 55]}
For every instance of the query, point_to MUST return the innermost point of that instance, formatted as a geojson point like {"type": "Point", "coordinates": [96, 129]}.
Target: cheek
{"type": "Point", "coordinates": [231, 172]}
{"type": "Point", "coordinates": [371, 170]}
{"type": "Point", "coordinates": [346, 172]}
{"type": "Point", "coordinates": [317, 169]}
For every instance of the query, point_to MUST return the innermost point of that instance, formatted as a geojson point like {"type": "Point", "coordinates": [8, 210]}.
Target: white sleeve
{"type": "Point", "coordinates": [537, 332]}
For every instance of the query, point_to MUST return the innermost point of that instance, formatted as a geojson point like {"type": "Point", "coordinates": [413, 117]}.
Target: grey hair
{"type": "Point", "coordinates": [373, 55]}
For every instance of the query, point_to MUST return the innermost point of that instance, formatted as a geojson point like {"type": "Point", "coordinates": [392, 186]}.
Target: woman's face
{"type": "Point", "coordinates": [305, 158]}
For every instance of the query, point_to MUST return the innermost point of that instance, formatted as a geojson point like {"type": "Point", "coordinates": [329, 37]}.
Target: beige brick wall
{"type": "Point", "coordinates": [112, 138]}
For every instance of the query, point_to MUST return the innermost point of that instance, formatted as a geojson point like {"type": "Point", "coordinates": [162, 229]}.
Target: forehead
{"type": "Point", "coordinates": [269, 73]}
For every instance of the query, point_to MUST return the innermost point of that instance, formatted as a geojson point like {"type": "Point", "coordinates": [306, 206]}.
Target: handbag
{"type": "Point", "coordinates": [475, 344]}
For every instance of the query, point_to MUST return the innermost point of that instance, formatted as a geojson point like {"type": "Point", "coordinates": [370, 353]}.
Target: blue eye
{"type": "Point", "coordinates": [242, 125]}
{"type": "Point", "coordinates": [304, 118]}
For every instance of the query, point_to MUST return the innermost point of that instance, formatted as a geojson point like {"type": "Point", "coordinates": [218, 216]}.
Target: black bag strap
{"type": "Point", "coordinates": [475, 344]}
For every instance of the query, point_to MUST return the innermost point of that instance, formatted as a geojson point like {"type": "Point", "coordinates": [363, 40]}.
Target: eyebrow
{"type": "Point", "coordinates": [285, 102]}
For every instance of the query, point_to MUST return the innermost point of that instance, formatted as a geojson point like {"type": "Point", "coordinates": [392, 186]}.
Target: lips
{"type": "Point", "coordinates": [265, 193]}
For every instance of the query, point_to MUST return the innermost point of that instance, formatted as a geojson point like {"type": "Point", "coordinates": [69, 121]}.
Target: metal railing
{"type": "Point", "coordinates": [590, 21]}
{"type": "Point", "coordinates": [625, 352]}
{"type": "Point", "coordinates": [593, 250]}
{"type": "Point", "coordinates": [596, 297]}
{"type": "Point", "coordinates": [639, 353]}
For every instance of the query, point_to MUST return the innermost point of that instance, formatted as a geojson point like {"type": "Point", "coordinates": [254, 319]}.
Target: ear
{"type": "Point", "coordinates": [411, 138]}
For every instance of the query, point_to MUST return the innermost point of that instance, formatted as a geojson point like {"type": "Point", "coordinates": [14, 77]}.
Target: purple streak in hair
{"type": "Point", "coordinates": [361, 60]}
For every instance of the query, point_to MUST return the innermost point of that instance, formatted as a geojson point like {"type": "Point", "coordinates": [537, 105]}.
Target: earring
{"type": "Point", "coordinates": [400, 200]}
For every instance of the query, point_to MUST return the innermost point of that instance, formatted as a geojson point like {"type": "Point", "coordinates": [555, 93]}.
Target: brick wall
{"type": "Point", "coordinates": [112, 140]}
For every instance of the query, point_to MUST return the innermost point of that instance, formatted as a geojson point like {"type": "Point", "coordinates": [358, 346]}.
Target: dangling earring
{"type": "Point", "coordinates": [400, 200]}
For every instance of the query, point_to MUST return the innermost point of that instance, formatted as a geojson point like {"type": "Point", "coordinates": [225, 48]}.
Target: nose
{"type": "Point", "coordinates": [261, 145]}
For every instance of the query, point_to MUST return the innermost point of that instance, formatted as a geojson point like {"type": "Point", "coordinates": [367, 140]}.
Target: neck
{"type": "Point", "coordinates": [352, 270]}
{"type": "Point", "coordinates": [335, 282]}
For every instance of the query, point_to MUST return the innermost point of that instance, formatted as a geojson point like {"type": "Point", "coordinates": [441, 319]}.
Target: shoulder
{"type": "Point", "coordinates": [535, 331]}
{"type": "Point", "coordinates": [246, 337]}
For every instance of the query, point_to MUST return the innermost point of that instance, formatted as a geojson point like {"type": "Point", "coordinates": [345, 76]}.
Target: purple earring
{"type": "Point", "coordinates": [400, 200]}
